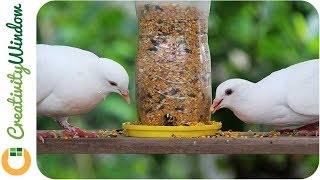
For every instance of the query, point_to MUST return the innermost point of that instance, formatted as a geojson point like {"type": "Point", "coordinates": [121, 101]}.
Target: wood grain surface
{"type": "Point", "coordinates": [222, 145]}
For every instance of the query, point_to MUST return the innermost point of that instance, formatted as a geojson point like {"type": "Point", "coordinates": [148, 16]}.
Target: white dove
{"type": "Point", "coordinates": [72, 81]}
{"type": "Point", "coordinates": [288, 97]}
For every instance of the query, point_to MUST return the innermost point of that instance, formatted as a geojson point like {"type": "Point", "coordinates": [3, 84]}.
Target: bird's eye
{"type": "Point", "coordinates": [113, 83]}
{"type": "Point", "coordinates": [228, 92]}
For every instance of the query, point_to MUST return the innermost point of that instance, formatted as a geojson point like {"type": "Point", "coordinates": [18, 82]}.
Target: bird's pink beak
{"type": "Point", "coordinates": [125, 95]}
{"type": "Point", "coordinates": [216, 105]}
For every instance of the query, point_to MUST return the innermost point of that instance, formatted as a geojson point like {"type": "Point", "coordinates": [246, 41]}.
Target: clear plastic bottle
{"type": "Point", "coordinates": [173, 66]}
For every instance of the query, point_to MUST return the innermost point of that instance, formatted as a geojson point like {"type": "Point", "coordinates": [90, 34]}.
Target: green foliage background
{"type": "Point", "coordinates": [247, 40]}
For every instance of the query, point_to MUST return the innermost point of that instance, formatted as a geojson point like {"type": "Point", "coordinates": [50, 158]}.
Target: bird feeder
{"type": "Point", "coordinates": [173, 70]}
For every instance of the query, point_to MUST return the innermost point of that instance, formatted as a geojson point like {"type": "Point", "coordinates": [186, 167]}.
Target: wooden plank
{"type": "Point", "coordinates": [131, 145]}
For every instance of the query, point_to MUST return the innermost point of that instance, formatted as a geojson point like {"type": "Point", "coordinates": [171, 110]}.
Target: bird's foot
{"type": "Point", "coordinates": [72, 131]}
{"type": "Point", "coordinates": [314, 132]}
{"type": "Point", "coordinates": [79, 133]}
{"type": "Point", "coordinates": [308, 130]}
{"type": "Point", "coordinates": [48, 134]}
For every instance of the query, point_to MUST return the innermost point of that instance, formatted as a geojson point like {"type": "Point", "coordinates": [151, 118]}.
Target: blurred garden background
{"type": "Point", "coordinates": [247, 40]}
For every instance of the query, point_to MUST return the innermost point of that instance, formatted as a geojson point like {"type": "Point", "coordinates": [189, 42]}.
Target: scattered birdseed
{"type": "Point", "coordinates": [173, 77]}
{"type": "Point", "coordinates": [230, 134]}
{"type": "Point", "coordinates": [219, 134]}
{"type": "Point", "coordinates": [110, 133]}
{"type": "Point", "coordinates": [256, 135]}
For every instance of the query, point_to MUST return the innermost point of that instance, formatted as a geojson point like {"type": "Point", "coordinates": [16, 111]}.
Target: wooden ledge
{"type": "Point", "coordinates": [130, 145]}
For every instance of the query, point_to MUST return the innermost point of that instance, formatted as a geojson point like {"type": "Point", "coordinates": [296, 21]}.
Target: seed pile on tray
{"type": "Point", "coordinates": [173, 65]}
{"type": "Point", "coordinates": [182, 124]}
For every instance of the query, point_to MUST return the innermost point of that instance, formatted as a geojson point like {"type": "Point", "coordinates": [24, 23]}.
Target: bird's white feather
{"type": "Point", "coordinates": [286, 97]}
{"type": "Point", "coordinates": [72, 81]}
{"type": "Point", "coordinates": [303, 94]}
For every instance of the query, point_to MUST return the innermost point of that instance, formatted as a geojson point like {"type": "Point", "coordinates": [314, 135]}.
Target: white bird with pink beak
{"type": "Point", "coordinates": [72, 81]}
{"type": "Point", "coordinates": [288, 97]}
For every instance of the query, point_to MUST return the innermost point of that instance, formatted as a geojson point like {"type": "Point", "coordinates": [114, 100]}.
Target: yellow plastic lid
{"type": "Point", "coordinates": [170, 131]}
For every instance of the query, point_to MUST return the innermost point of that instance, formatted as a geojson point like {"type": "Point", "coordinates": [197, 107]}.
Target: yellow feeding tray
{"type": "Point", "coordinates": [170, 131]}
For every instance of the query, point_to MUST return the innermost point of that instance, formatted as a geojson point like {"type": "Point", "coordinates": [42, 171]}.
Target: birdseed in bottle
{"type": "Point", "coordinates": [173, 66]}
